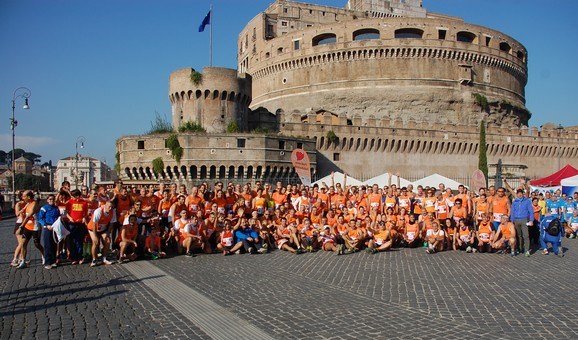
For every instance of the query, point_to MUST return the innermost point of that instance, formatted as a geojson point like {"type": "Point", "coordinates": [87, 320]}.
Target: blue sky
{"type": "Point", "coordinates": [100, 68]}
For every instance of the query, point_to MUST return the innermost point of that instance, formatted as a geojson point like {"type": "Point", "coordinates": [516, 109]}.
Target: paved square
{"type": "Point", "coordinates": [400, 294]}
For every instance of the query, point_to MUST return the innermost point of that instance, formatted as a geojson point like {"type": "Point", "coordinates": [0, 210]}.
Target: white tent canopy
{"type": "Point", "coordinates": [338, 178]}
{"type": "Point", "coordinates": [570, 181]}
{"type": "Point", "coordinates": [435, 180]}
{"type": "Point", "coordinates": [383, 180]}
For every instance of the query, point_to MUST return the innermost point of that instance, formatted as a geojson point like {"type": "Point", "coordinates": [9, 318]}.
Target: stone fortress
{"type": "Point", "coordinates": [380, 85]}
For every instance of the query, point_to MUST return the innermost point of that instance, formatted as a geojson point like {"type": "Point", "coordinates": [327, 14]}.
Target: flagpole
{"type": "Point", "coordinates": [211, 37]}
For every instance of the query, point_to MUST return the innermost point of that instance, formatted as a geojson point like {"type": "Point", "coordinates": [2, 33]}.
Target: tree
{"type": "Point", "coordinates": [482, 156]}
{"type": "Point", "coordinates": [31, 156]}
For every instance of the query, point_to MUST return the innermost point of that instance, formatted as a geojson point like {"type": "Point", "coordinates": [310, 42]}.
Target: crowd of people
{"type": "Point", "coordinates": [103, 226]}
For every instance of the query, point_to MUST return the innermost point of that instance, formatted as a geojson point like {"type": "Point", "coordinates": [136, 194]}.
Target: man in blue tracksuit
{"type": "Point", "coordinates": [46, 217]}
{"type": "Point", "coordinates": [522, 215]}
{"type": "Point", "coordinates": [548, 224]}
{"type": "Point", "coordinates": [249, 237]}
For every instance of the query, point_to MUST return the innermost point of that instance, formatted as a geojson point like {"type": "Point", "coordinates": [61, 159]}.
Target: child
{"type": "Point", "coordinates": [153, 244]}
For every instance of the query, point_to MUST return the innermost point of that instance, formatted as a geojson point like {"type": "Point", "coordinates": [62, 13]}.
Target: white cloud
{"type": "Point", "coordinates": [28, 143]}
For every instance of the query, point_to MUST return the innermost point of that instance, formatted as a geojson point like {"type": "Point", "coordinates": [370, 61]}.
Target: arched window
{"type": "Point", "coordinates": [520, 55]}
{"type": "Point", "coordinates": [504, 46]}
{"type": "Point", "coordinates": [325, 38]}
{"type": "Point", "coordinates": [467, 37]}
{"type": "Point", "coordinates": [366, 34]}
{"type": "Point", "coordinates": [408, 33]}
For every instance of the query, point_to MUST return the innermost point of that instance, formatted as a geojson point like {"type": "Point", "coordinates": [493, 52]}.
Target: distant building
{"type": "Point", "coordinates": [82, 171]}
{"type": "Point", "coordinates": [23, 165]}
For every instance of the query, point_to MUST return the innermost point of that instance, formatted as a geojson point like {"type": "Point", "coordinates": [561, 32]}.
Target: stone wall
{"type": "Point", "coordinates": [212, 156]}
{"type": "Point", "coordinates": [366, 147]}
{"type": "Point", "coordinates": [370, 65]}
{"type": "Point", "coordinates": [219, 98]}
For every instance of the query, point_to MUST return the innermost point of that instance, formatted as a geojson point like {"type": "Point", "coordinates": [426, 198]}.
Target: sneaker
{"type": "Point", "coordinates": [527, 253]}
{"type": "Point", "coordinates": [544, 252]}
{"type": "Point", "coordinates": [48, 267]}
{"type": "Point", "coordinates": [514, 253]}
{"type": "Point", "coordinates": [474, 250]}
{"type": "Point", "coordinates": [93, 263]}
{"type": "Point", "coordinates": [265, 246]}
{"type": "Point", "coordinates": [468, 249]}
{"type": "Point", "coordinates": [428, 250]}
{"type": "Point", "coordinates": [14, 263]}
{"type": "Point", "coordinates": [189, 254]}
{"type": "Point", "coordinates": [43, 260]}
{"type": "Point", "coordinates": [74, 262]}
{"type": "Point", "coordinates": [339, 249]}
{"type": "Point", "coordinates": [21, 264]}
{"type": "Point", "coordinates": [262, 251]}
{"type": "Point", "coordinates": [54, 265]}
{"type": "Point", "coordinates": [500, 251]}
{"type": "Point", "coordinates": [560, 252]}
{"type": "Point", "coordinates": [238, 252]}
{"type": "Point", "coordinates": [106, 262]}
{"type": "Point", "coordinates": [368, 250]}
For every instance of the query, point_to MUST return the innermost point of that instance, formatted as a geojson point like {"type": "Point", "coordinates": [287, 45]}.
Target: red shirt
{"type": "Point", "coordinates": [77, 209]}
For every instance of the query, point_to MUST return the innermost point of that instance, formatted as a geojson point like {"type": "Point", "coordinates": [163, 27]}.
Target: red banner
{"type": "Point", "coordinates": [300, 161]}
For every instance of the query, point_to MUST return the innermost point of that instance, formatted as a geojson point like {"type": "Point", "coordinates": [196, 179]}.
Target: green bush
{"type": "Point", "coordinates": [331, 136]}
{"type": "Point", "coordinates": [196, 77]}
{"type": "Point", "coordinates": [191, 127]}
{"type": "Point", "coordinates": [158, 166]}
{"type": "Point", "coordinates": [160, 125]}
{"type": "Point", "coordinates": [232, 127]}
{"type": "Point", "coordinates": [172, 143]}
{"type": "Point", "coordinates": [481, 101]}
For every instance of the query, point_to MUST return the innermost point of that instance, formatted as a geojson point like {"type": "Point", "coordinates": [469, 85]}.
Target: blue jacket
{"type": "Point", "coordinates": [522, 209]}
{"type": "Point", "coordinates": [243, 234]}
{"type": "Point", "coordinates": [544, 225]}
{"type": "Point", "coordinates": [48, 214]}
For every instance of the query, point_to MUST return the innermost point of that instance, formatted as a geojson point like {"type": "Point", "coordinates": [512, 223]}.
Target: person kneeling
{"type": "Point", "coordinates": [551, 231]}
{"type": "Point", "coordinates": [485, 234]}
{"type": "Point", "coordinates": [128, 235]}
{"type": "Point", "coordinates": [153, 244]}
{"type": "Point", "coordinates": [380, 241]}
{"type": "Point", "coordinates": [505, 237]}
{"type": "Point", "coordinates": [464, 238]}
{"type": "Point", "coordinates": [435, 239]}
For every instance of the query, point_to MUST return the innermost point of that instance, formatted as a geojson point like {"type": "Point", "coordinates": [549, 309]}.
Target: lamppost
{"type": "Point", "coordinates": [79, 142]}
{"type": "Point", "coordinates": [21, 92]}
{"type": "Point", "coordinates": [560, 128]}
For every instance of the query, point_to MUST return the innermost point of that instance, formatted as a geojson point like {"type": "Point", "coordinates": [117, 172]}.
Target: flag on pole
{"type": "Point", "coordinates": [206, 21]}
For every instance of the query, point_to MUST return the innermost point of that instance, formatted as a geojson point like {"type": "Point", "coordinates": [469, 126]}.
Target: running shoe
{"type": "Point", "coordinates": [544, 252]}
{"type": "Point", "coordinates": [93, 263]}
{"type": "Point", "coordinates": [527, 253]}
{"type": "Point", "coordinates": [48, 267]}
{"type": "Point", "coordinates": [21, 264]}
{"type": "Point", "coordinates": [106, 262]}
{"type": "Point", "coordinates": [560, 252]}
{"type": "Point", "coordinates": [43, 260]}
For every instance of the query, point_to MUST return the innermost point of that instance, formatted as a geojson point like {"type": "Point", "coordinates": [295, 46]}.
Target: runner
{"type": "Point", "coordinates": [505, 237]}
{"type": "Point", "coordinates": [99, 228]}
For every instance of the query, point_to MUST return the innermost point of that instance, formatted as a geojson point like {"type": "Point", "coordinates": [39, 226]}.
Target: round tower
{"type": "Point", "coordinates": [212, 99]}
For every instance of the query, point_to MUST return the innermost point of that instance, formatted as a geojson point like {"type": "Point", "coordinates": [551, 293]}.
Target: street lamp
{"type": "Point", "coordinates": [79, 142]}
{"type": "Point", "coordinates": [21, 92]}
{"type": "Point", "coordinates": [560, 128]}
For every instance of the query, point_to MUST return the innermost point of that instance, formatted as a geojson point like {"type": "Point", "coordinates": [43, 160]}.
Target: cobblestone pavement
{"type": "Point", "coordinates": [400, 294]}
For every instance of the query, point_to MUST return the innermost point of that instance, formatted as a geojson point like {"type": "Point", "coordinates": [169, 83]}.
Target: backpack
{"type": "Point", "coordinates": [553, 228]}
